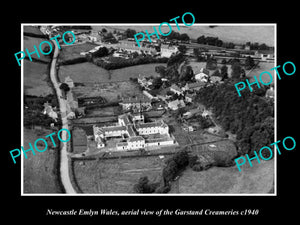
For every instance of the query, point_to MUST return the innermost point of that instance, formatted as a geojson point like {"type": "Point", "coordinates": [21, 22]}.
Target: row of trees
{"type": "Point", "coordinates": [116, 63]}
{"type": "Point", "coordinates": [215, 41]}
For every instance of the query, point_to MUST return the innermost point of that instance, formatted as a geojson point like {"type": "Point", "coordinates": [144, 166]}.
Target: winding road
{"type": "Point", "coordinates": [64, 168]}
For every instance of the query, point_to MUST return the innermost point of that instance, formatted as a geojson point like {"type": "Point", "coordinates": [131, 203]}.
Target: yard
{"type": "Point", "coordinates": [116, 175]}
{"type": "Point", "coordinates": [35, 79]}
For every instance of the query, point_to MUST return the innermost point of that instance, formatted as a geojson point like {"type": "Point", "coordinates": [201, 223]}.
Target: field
{"type": "Point", "coordinates": [251, 180]}
{"type": "Point", "coordinates": [40, 169]}
{"type": "Point", "coordinates": [115, 175]}
{"type": "Point", "coordinates": [32, 30]}
{"type": "Point", "coordinates": [111, 85]}
{"type": "Point", "coordinates": [35, 79]}
{"type": "Point", "coordinates": [73, 51]}
{"type": "Point", "coordinates": [29, 43]}
{"type": "Point", "coordinates": [229, 33]}
{"type": "Point", "coordinates": [262, 66]}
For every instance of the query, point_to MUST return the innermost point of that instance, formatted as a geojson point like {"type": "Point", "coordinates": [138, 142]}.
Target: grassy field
{"type": "Point", "coordinates": [35, 79]}
{"type": "Point", "coordinates": [124, 74]}
{"type": "Point", "coordinates": [40, 169]}
{"type": "Point", "coordinates": [115, 175]}
{"type": "Point", "coordinates": [110, 85]}
{"type": "Point", "coordinates": [32, 30]}
{"type": "Point", "coordinates": [262, 66]}
{"type": "Point", "coordinates": [83, 73]}
{"type": "Point", "coordinates": [73, 51]}
{"type": "Point", "coordinates": [251, 180]}
{"type": "Point", "coordinates": [90, 73]}
{"type": "Point", "coordinates": [30, 42]}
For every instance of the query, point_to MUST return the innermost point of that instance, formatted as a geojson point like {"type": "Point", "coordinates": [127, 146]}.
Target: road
{"type": "Point", "coordinates": [64, 168]}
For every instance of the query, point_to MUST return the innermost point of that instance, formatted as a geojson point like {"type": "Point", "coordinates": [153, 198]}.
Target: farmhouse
{"type": "Point", "coordinates": [176, 104]}
{"type": "Point", "coordinates": [167, 51]}
{"type": "Point", "coordinates": [134, 133]}
{"type": "Point", "coordinates": [194, 86]}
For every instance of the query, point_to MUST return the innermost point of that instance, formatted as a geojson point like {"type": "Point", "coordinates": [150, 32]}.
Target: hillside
{"type": "Point", "coordinates": [230, 33]}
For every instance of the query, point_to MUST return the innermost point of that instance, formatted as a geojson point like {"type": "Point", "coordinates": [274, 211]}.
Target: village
{"type": "Point", "coordinates": [140, 112]}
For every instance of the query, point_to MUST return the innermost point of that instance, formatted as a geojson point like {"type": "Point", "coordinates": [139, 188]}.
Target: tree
{"type": "Point", "coordinates": [211, 64]}
{"type": "Point", "coordinates": [161, 70]}
{"type": "Point", "coordinates": [143, 186]}
{"type": "Point", "coordinates": [100, 52]}
{"type": "Point", "coordinates": [65, 87]}
{"type": "Point", "coordinates": [201, 40]}
{"type": "Point", "coordinates": [249, 63]}
{"type": "Point", "coordinates": [236, 70]}
{"type": "Point", "coordinates": [129, 33]}
{"type": "Point", "coordinates": [186, 73]}
{"type": "Point", "coordinates": [216, 73]}
{"type": "Point", "coordinates": [175, 59]}
{"type": "Point", "coordinates": [224, 72]}
{"type": "Point", "coordinates": [184, 37]}
{"type": "Point", "coordinates": [157, 82]}
{"type": "Point", "coordinates": [182, 49]}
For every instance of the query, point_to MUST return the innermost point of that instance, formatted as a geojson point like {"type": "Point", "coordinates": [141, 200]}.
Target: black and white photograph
{"type": "Point", "coordinates": [147, 113]}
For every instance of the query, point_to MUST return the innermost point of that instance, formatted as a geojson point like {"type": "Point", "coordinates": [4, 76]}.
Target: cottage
{"type": "Point", "coordinates": [176, 104]}
{"type": "Point", "coordinates": [202, 77]}
{"type": "Point", "coordinates": [175, 89]}
{"type": "Point", "coordinates": [69, 82]}
{"type": "Point", "coordinates": [168, 51]}
{"type": "Point", "coordinates": [48, 110]}
{"type": "Point", "coordinates": [270, 93]}
{"type": "Point", "coordinates": [189, 97]}
{"type": "Point", "coordinates": [215, 79]}
{"type": "Point", "coordinates": [195, 86]}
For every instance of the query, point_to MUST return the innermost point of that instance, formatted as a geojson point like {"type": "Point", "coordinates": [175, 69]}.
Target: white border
{"type": "Point", "coordinates": [151, 24]}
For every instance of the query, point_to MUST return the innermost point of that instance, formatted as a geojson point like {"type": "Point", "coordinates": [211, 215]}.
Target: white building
{"type": "Point", "coordinates": [133, 129]}
{"type": "Point", "coordinates": [167, 51]}
{"type": "Point", "coordinates": [202, 77]}
{"type": "Point", "coordinates": [136, 103]}
{"type": "Point", "coordinates": [176, 104]}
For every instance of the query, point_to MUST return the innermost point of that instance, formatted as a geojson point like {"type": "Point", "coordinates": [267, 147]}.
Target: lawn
{"type": "Point", "coordinates": [40, 170]}
{"type": "Point", "coordinates": [30, 42]}
{"type": "Point", "coordinates": [116, 175]}
{"type": "Point", "coordinates": [35, 79]}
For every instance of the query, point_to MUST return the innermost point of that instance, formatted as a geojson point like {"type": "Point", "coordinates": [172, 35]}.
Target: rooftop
{"type": "Point", "coordinates": [136, 138]}
{"type": "Point", "coordinates": [136, 99]}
